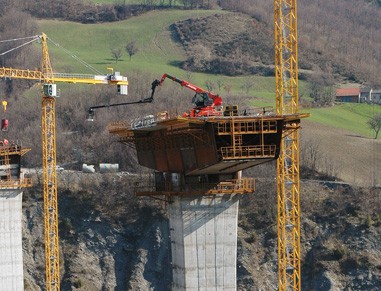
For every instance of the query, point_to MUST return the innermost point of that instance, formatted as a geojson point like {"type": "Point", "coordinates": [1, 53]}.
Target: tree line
{"type": "Point", "coordinates": [89, 12]}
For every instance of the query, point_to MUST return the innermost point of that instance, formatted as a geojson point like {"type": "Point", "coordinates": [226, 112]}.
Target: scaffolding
{"type": "Point", "coordinates": [11, 176]}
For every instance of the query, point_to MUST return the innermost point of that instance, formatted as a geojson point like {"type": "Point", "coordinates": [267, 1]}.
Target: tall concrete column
{"type": "Point", "coordinates": [204, 242]}
{"type": "Point", "coordinates": [11, 260]}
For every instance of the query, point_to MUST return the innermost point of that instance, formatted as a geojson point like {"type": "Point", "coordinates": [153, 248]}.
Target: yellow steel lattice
{"type": "Point", "coordinates": [50, 194]}
{"type": "Point", "coordinates": [288, 180]}
{"type": "Point", "coordinates": [46, 77]}
{"type": "Point", "coordinates": [48, 121]}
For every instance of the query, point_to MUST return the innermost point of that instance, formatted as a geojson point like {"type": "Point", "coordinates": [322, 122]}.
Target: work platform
{"type": "Point", "coordinates": [204, 146]}
{"type": "Point", "coordinates": [10, 168]}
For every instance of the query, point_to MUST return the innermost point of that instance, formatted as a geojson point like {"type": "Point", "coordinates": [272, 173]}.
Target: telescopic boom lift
{"type": "Point", "coordinates": [91, 111]}
{"type": "Point", "coordinates": [206, 103]}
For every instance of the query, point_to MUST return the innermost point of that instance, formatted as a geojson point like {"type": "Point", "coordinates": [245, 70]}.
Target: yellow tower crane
{"type": "Point", "coordinates": [48, 79]}
{"type": "Point", "coordinates": [288, 179]}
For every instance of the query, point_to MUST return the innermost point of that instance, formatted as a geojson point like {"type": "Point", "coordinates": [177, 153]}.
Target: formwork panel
{"type": "Point", "coordinates": [189, 159]}
{"type": "Point", "coordinates": [205, 156]}
{"type": "Point", "coordinates": [161, 160]}
{"type": "Point", "coordinates": [175, 162]}
{"type": "Point", "coordinates": [147, 159]}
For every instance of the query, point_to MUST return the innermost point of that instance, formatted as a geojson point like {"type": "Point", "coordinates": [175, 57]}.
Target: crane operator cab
{"type": "Point", "coordinates": [202, 99]}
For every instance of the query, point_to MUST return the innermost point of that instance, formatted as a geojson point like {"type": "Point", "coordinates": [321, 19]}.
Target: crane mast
{"type": "Point", "coordinates": [48, 120]}
{"type": "Point", "coordinates": [288, 179]}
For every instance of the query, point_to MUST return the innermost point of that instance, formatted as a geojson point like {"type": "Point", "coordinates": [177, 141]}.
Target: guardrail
{"type": "Point", "coordinates": [19, 183]}
{"type": "Point", "coordinates": [239, 152]}
{"type": "Point", "coordinates": [235, 186]}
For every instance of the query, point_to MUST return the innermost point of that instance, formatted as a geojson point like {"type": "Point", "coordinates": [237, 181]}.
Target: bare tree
{"type": "Point", "coordinates": [322, 95]}
{"type": "Point", "coordinates": [374, 123]}
{"type": "Point", "coordinates": [311, 154]}
{"type": "Point", "coordinates": [247, 84]}
{"type": "Point", "coordinates": [116, 54]}
{"type": "Point", "coordinates": [228, 88]}
{"type": "Point", "coordinates": [131, 48]}
{"type": "Point", "coordinates": [220, 83]}
{"type": "Point", "coordinates": [209, 85]}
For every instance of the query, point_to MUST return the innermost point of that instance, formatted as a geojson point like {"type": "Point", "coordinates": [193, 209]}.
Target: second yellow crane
{"type": "Point", "coordinates": [49, 91]}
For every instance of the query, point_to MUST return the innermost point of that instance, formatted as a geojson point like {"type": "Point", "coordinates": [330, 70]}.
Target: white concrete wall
{"type": "Point", "coordinates": [11, 260]}
{"type": "Point", "coordinates": [204, 242]}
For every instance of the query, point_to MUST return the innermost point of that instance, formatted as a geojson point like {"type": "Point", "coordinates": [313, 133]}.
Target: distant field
{"type": "Point", "coordinates": [349, 116]}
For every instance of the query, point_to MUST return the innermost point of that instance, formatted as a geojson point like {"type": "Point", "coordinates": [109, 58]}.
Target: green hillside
{"type": "Point", "coordinates": [349, 116]}
{"type": "Point", "coordinates": [93, 42]}
{"type": "Point", "coordinates": [158, 54]}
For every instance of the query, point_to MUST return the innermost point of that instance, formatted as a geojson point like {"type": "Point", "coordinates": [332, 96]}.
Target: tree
{"type": "Point", "coordinates": [131, 48]}
{"type": "Point", "coordinates": [247, 84]}
{"type": "Point", "coordinates": [322, 95]}
{"type": "Point", "coordinates": [374, 123]}
{"type": "Point", "coordinates": [116, 54]}
{"type": "Point", "coordinates": [220, 83]}
{"type": "Point", "coordinates": [228, 88]}
{"type": "Point", "coordinates": [209, 85]}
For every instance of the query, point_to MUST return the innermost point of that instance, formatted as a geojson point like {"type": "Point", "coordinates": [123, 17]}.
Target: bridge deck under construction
{"type": "Point", "coordinates": [198, 146]}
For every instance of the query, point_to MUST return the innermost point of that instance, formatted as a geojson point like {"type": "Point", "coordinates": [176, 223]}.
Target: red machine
{"type": "Point", "coordinates": [206, 103]}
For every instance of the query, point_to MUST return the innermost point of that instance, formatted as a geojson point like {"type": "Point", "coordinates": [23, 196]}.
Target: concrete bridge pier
{"type": "Point", "coordinates": [204, 241]}
{"type": "Point", "coordinates": [11, 259]}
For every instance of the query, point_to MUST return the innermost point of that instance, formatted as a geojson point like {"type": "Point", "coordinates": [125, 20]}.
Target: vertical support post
{"type": "Point", "coordinates": [48, 119]}
{"type": "Point", "coordinates": [50, 194]}
{"type": "Point", "coordinates": [288, 180]}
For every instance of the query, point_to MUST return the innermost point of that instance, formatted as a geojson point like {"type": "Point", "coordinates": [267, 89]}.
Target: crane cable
{"type": "Point", "coordinates": [20, 46]}
{"type": "Point", "coordinates": [38, 37]}
{"type": "Point", "coordinates": [21, 38]}
{"type": "Point", "coordinates": [75, 57]}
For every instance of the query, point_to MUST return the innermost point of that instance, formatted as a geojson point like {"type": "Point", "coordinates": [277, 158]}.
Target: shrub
{"type": "Point", "coordinates": [77, 283]}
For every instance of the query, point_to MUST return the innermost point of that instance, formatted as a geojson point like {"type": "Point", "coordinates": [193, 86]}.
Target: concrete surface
{"type": "Point", "coordinates": [204, 242]}
{"type": "Point", "coordinates": [11, 260]}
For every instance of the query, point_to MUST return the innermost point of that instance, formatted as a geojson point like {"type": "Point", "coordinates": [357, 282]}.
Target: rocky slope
{"type": "Point", "coordinates": [113, 241]}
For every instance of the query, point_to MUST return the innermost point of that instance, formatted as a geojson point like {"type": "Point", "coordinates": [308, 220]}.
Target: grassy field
{"type": "Point", "coordinates": [350, 116]}
{"type": "Point", "coordinates": [159, 54]}
{"type": "Point", "coordinates": [93, 42]}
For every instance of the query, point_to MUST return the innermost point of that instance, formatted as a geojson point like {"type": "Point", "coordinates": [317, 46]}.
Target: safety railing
{"type": "Point", "coordinates": [239, 152]}
{"type": "Point", "coordinates": [247, 126]}
{"type": "Point", "coordinates": [235, 186]}
{"type": "Point", "coordinates": [17, 183]}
